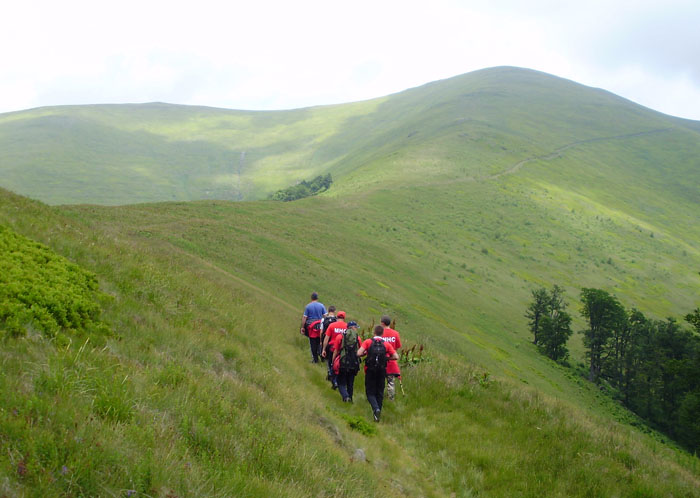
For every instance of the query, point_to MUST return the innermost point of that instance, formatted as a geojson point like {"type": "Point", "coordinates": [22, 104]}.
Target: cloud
{"type": "Point", "coordinates": [274, 55]}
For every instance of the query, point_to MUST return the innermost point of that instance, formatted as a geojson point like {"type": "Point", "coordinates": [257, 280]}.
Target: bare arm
{"type": "Point", "coordinates": [325, 345]}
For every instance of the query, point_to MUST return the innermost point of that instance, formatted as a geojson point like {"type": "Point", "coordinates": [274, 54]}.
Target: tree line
{"type": "Point", "coordinates": [303, 189]}
{"type": "Point", "coordinates": [651, 366]}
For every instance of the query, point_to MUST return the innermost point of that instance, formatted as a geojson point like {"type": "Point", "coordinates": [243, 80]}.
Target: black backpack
{"type": "Point", "coordinates": [327, 320]}
{"type": "Point", "coordinates": [349, 361]}
{"type": "Point", "coordinates": [376, 356]}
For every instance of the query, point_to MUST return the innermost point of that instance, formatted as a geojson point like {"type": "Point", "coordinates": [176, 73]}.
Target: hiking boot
{"type": "Point", "coordinates": [334, 386]}
{"type": "Point", "coordinates": [377, 413]}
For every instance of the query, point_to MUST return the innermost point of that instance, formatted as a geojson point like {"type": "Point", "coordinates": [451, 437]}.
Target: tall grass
{"type": "Point", "coordinates": [206, 389]}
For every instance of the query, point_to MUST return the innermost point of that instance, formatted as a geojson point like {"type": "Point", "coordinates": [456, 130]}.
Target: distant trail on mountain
{"type": "Point", "coordinates": [230, 275]}
{"type": "Point", "coordinates": [558, 152]}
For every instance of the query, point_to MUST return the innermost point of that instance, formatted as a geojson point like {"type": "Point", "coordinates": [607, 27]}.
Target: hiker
{"type": "Point", "coordinates": [314, 330]}
{"type": "Point", "coordinates": [335, 328]}
{"type": "Point", "coordinates": [312, 312]}
{"type": "Point", "coordinates": [378, 353]}
{"type": "Point", "coordinates": [346, 363]}
{"type": "Point", "coordinates": [327, 320]}
{"type": "Point", "coordinates": [392, 367]}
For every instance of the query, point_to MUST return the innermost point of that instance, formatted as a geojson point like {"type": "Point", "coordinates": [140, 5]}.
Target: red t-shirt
{"type": "Point", "coordinates": [314, 329]}
{"type": "Point", "coordinates": [389, 349]}
{"type": "Point", "coordinates": [392, 337]}
{"type": "Point", "coordinates": [337, 340]}
{"type": "Point", "coordinates": [335, 329]}
{"type": "Point", "coordinates": [335, 346]}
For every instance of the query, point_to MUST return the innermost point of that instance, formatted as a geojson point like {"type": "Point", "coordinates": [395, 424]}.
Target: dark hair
{"type": "Point", "coordinates": [378, 330]}
{"type": "Point", "coordinates": [386, 320]}
{"type": "Point", "coordinates": [314, 296]}
{"type": "Point", "coordinates": [331, 309]}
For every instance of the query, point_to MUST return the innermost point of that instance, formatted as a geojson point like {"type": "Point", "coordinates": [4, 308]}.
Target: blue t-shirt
{"type": "Point", "coordinates": [314, 310]}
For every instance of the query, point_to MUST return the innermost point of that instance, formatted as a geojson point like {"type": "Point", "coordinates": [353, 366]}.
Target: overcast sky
{"type": "Point", "coordinates": [274, 54]}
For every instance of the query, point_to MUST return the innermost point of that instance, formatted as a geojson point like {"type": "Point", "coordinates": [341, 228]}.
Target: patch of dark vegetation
{"type": "Point", "coordinates": [648, 366]}
{"type": "Point", "coordinates": [43, 291]}
{"type": "Point", "coordinates": [303, 189]}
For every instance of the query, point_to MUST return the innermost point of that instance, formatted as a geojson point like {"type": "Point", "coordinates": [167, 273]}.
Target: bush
{"type": "Point", "coordinates": [44, 291]}
{"type": "Point", "coordinates": [303, 189]}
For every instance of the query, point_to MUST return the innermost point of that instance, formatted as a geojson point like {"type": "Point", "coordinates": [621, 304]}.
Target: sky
{"type": "Point", "coordinates": [273, 54]}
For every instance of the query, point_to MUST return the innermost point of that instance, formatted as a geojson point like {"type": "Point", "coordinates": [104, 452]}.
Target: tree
{"type": "Point", "coordinates": [694, 319]}
{"type": "Point", "coordinates": [537, 309]}
{"type": "Point", "coordinates": [555, 332]}
{"type": "Point", "coordinates": [640, 365]}
{"type": "Point", "coordinates": [604, 315]}
{"type": "Point", "coordinates": [549, 323]}
{"type": "Point", "coordinates": [303, 189]}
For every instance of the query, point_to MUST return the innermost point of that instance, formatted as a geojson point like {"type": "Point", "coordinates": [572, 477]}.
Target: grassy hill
{"type": "Point", "coordinates": [452, 201]}
{"type": "Point", "coordinates": [206, 389]}
{"type": "Point", "coordinates": [467, 127]}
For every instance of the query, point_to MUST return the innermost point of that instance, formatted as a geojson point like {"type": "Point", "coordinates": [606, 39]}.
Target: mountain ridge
{"type": "Point", "coordinates": [160, 152]}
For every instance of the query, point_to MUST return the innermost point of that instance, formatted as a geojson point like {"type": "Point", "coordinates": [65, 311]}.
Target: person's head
{"type": "Point", "coordinates": [341, 314]}
{"type": "Point", "coordinates": [314, 296]}
{"type": "Point", "coordinates": [331, 310]}
{"type": "Point", "coordinates": [352, 324]}
{"type": "Point", "coordinates": [378, 330]}
{"type": "Point", "coordinates": [386, 320]}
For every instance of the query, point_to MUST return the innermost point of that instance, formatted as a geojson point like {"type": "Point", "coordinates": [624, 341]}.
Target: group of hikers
{"type": "Point", "coordinates": [338, 343]}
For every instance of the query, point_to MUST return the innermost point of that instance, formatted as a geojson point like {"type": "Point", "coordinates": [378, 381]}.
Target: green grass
{"type": "Point", "coordinates": [460, 129]}
{"type": "Point", "coordinates": [208, 390]}
{"type": "Point", "coordinates": [205, 387]}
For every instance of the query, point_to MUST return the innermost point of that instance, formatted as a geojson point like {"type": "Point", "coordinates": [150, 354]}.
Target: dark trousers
{"type": "Point", "coordinates": [329, 359]}
{"type": "Point", "coordinates": [346, 384]}
{"type": "Point", "coordinates": [374, 389]}
{"type": "Point", "coordinates": [313, 344]}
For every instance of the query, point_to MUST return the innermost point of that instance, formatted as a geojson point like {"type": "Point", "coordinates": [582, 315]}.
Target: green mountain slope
{"type": "Point", "coordinates": [451, 202]}
{"type": "Point", "coordinates": [206, 389]}
{"type": "Point", "coordinates": [467, 127]}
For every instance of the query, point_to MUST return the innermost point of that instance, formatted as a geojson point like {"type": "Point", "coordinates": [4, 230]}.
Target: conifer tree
{"type": "Point", "coordinates": [549, 323]}
{"type": "Point", "coordinates": [537, 309]}
{"type": "Point", "coordinates": [605, 316]}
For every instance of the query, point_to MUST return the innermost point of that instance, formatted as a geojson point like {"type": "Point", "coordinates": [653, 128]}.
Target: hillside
{"type": "Point", "coordinates": [205, 387]}
{"type": "Point", "coordinates": [452, 202]}
{"type": "Point", "coordinates": [468, 127]}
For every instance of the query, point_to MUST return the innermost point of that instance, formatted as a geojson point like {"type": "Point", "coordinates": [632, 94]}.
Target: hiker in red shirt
{"type": "Point", "coordinates": [334, 329]}
{"type": "Point", "coordinates": [327, 320]}
{"type": "Point", "coordinates": [346, 363]}
{"type": "Point", "coordinates": [378, 353]}
{"type": "Point", "coordinates": [392, 367]}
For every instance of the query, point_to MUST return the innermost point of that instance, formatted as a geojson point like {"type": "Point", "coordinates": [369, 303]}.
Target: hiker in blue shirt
{"type": "Point", "coordinates": [313, 311]}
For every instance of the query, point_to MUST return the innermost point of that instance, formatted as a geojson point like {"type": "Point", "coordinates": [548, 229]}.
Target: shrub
{"type": "Point", "coordinates": [42, 290]}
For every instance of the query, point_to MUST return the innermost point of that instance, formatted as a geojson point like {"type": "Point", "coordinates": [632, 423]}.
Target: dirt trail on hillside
{"type": "Point", "coordinates": [558, 152]}
{"type": "Point", "coordinates": [240, 280]}
{"type": "Point", "coordinates": [546, 157]}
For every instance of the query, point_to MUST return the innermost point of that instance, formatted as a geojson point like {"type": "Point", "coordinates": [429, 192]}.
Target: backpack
{"type": "Point", "coordinates": [327, 320]}
{"type": "Point", "coordinates": [376, 356]}
{"type": "Point", "coordinates": [314, 326]}
{"type": "Point", "coordinates": [349, 362]}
